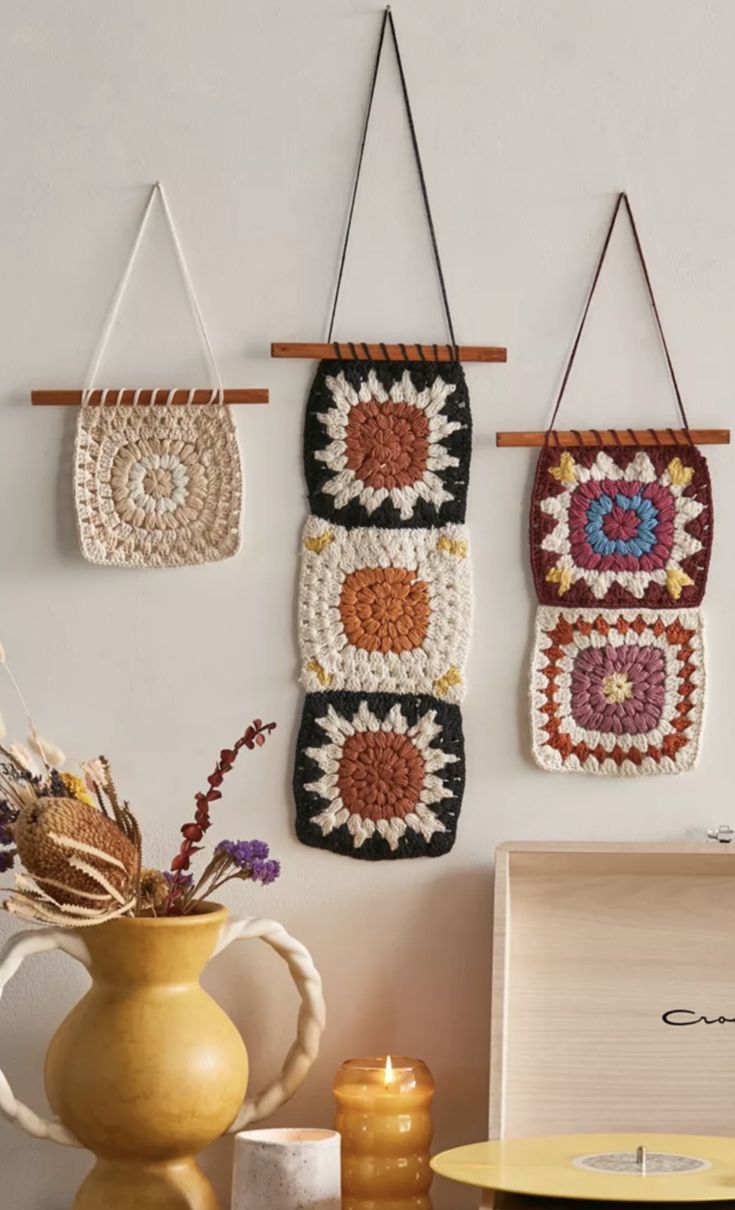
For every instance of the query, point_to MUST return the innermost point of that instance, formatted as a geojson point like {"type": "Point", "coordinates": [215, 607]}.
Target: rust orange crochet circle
{"type": "Point", "coordinates": [384, 609]}
{"type": "Point", "coordinates": [387, 444]}
{"type": "Point", "coordinates": [381, 775]}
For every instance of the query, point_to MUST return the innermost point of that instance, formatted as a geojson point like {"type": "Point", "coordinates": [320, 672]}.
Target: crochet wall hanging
{"type": "Point", "coordinates": [157, 473]}
{"type": "Point", "coordinates": [621, 530]}
{"type": "Point", "coordinates": [384, 595]}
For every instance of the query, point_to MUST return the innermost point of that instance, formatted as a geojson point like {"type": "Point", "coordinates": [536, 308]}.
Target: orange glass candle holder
{"type": "Point", "coordinates": [384, 1118]}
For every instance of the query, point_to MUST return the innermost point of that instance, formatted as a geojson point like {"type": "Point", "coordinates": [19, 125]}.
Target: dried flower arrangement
{"type": "Point", "coordinates": [79, 846]}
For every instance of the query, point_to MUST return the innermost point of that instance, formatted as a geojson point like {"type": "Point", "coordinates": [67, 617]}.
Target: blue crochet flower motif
{"type": "Point", "coordinates": [621, 525]}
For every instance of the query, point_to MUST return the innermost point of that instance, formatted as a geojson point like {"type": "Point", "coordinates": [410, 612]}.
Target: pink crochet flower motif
{"type": "Point", "coordinates": [621, 526]}
{"type": "Point", "coordinates": [618, 690]}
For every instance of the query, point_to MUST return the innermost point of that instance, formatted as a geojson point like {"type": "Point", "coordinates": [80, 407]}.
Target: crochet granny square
{"type": "Point", "coordinates": [388, 443]}
{"type": "Point", "coordinates": [617, 691]}
{"type": "Point", "coordinates": [157, 486]}
{"type": "Point", "coordinates": [385, 610]}
{"type": "Point", "coordinates": [379, 776]}
{"type": "Point", "coordinates": [621, 526]}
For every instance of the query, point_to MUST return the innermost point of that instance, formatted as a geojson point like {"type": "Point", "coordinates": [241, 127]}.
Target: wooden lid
{"type": "Point", "coordinates": [613, 990]}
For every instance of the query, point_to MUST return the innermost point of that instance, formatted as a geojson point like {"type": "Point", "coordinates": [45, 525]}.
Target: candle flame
{"type": "Point", "coordinates": [389, 1073]}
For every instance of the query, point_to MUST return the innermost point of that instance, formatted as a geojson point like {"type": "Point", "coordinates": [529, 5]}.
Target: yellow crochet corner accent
{"type": "Point", "coordinates": [324, 678]}
{"type": "Point", "coordinates": [561, 576]}
{"type": "Point", "coordinates": [676, 579]}
{"type": "Point", "coordinates": [680, 475]}
{"type": "Point", "coordinates": [320, 543]}
{"type": "Point", "coordinates": [453, 546]}
{"type": "Point", "coordinates": [443, 684]}
{"type": "Point", "coordinates": [566, 471]}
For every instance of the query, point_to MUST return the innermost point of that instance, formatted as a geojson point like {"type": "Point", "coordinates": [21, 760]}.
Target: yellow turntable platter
{"type": "Point", "coordinates": [600, 1167]}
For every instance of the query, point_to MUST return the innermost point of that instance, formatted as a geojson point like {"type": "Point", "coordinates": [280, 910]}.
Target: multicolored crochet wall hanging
{"type": "Point", "coordinates": [385, 596]}
{"type": "Point", "coordinates": [157, 473]}
{"type": "Point", "coordinates": [620, 536]}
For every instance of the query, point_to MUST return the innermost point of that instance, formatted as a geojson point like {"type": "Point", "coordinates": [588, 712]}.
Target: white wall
{"type": "Point", "coordinates": [531, 115]}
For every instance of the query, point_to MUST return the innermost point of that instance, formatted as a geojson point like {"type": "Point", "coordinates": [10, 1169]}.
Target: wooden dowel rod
{"type": "Point", "coordinates": [616, 437]}
{"type": "Point", "coordinates": [374, 352]}
{"type": "Point", "coordinates": [161, 395]}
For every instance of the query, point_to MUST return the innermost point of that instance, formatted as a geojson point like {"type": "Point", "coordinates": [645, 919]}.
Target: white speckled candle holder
{"type": "Point", "coordinates": [287, 1170]}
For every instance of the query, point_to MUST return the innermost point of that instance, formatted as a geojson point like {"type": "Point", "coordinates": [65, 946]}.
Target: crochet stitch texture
{"type": "Point", "coordinates": [620, 547]}
{"type": "Point", "coordinates": [617, 691]}
{"type": "Point", "coordinates": [157, 486]}
{"type": "Point", "coordinates": [379, 776]}
{"type": "Point", "coordinates": [388, 443]}
{"type": "Point", "coordinates": [384, 609]}
{"type": "Point", "coordinates": [621, 526]}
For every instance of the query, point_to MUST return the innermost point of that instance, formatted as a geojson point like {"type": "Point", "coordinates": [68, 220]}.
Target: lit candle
{"type": "Point", "coordinates": [384, 1118]}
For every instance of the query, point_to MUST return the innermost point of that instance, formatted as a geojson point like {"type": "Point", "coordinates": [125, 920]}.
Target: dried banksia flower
{"type": "Point", "coordinates": [80, 867]}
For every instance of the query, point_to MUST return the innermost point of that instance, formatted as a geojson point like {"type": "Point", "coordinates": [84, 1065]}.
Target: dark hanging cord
{"type": "Point", "coordinates": [388, 20]}
{"type": "Point", "coordinates": [622, 198]}
{"type": "Point", "coordinates": [358, 171]}
{"type": "Point", "coordinates": [659, 325]}
{"type": "Point", "coordinates": [384, 351]}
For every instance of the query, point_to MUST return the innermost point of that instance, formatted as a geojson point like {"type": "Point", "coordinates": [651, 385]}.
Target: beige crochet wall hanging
{"type": "Point", "coordinates": [157, 473]}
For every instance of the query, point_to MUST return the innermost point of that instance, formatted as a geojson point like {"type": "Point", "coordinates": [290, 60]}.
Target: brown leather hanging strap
{"type": "Point", "coordinates": [622, 198]}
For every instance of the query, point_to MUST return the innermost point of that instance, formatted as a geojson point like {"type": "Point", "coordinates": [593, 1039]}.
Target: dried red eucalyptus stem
{"type": "Point", "coordinates": [193, 832]}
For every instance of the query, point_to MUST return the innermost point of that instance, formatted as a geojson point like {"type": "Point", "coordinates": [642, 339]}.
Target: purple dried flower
{"type": "Point", "coordinates": [244, 852]}
{"type": "Point", "coordinates": [264, 872]}
{"type": "Point", "coordinates": [7, 810]}
{"type": "Point", "coordinates": [57, 785]}
{"type": "Point", "coordinates": [8, 816]}
{"type": "Point", "coordinates": [186, 881]}
{"type": "Point", "coordinates": [251, 857]}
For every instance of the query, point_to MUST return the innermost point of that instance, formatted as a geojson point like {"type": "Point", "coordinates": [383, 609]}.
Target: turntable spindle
{"type": "Point", "coordinates": [641, 1156]}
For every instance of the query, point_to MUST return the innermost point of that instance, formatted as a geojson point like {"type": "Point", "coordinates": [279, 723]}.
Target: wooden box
{"type": "Point", "coordinates": [613, 990]}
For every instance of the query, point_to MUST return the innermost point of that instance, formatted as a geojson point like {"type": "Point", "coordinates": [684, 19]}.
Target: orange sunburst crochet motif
{"type": "Point", "coordinates": [384, 609]}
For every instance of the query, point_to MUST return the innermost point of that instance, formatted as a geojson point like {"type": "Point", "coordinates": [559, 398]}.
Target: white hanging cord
{"type": "Point", "coordinates": [218, 389]}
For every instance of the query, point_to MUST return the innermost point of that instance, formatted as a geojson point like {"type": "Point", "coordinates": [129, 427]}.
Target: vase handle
{"type": "Point", "coordinates": [21, 946]}
{"type": "Point", "coordinates": [311, 1014]}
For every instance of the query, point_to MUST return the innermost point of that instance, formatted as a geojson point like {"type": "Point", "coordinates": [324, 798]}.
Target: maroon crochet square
{"type": "Point", "coordinates": [621, 526]}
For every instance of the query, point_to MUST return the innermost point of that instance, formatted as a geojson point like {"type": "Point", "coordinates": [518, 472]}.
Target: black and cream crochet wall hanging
{"type": "Point", "coordinates": [385, 591]}
{"type": "Point", "coordinates": [157, 474]}
{"type": "Point", "coordinates": [621, 527]}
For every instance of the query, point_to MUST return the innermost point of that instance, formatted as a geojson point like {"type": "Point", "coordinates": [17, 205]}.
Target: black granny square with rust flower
{"type": "Point", "coordinates": [388, 443]}
{"type": "Point", "coordinates": [379, 775]}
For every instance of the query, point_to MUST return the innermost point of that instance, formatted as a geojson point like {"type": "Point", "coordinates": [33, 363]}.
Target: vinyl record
{"type": "Point", "coordinates": [600, 1167]}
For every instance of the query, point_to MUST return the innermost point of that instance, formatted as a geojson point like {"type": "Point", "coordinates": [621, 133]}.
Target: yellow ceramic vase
{"type": "Point", "coordinates": [147, 1070]}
